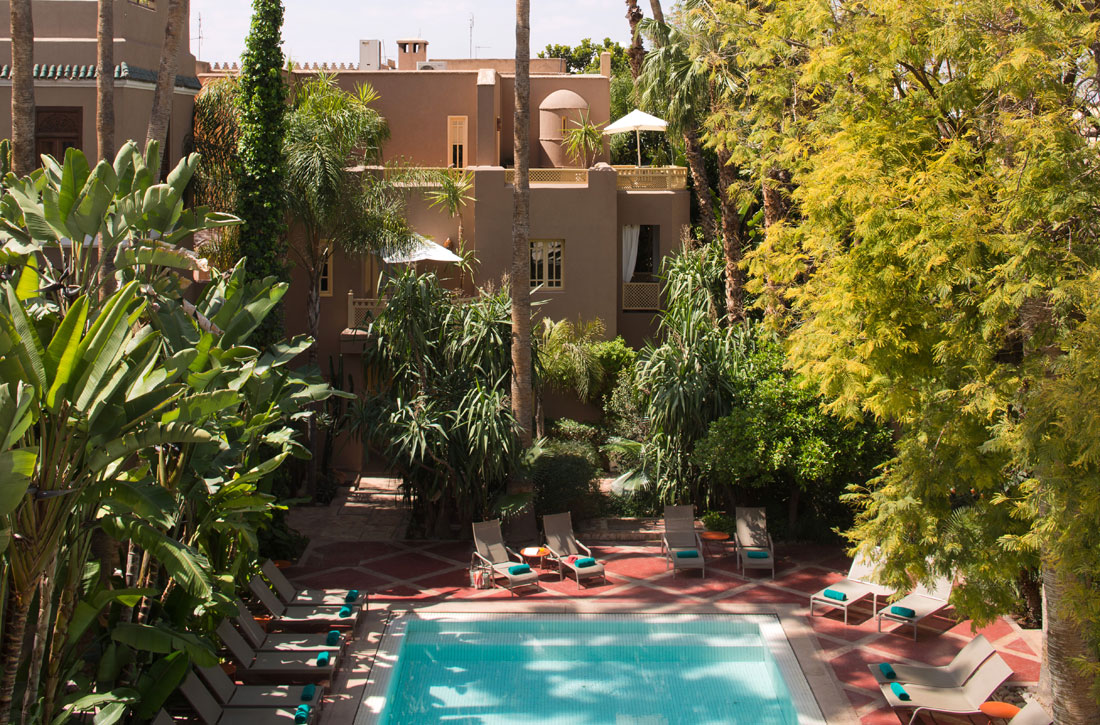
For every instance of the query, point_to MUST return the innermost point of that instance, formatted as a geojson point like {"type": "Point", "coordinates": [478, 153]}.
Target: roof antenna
{"type": "Point", "coordinates": [471, 35]}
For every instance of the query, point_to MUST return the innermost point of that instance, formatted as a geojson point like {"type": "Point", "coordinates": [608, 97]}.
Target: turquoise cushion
{"type": "Point", "coordinates": [834, 594]}
{"type": "Point", "coordinates": [584, 561]}
{"type": "Point", "coordinates": [323, 659]}
{"type": "Point", "coordinates": [903, 612]}
{"type": "Point", "coordinates": [899, 691]}
{"type": "Point", "coordinates": [345, 611]}
{"type": "Point", "coordinates": [352, 595]}
{"type": "Point", "coordinates": [301, 715]}
{"type": "Point", "coordinates": [519, 569]}
{"type": "Point", "coordinates": [687, 554]}
{"type": "Point", "coordinates": [308, 693]}
{"type": "Point", "coordinates": [888, 671]}
{"type": "Point", "coordinates": [333, 638]}
{"type": "Point", "coordinates": [756, 554]}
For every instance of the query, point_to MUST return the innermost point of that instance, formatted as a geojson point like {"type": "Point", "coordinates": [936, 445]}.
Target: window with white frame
{"type": "Point", "coordinates": [456, 142]}
{"type": "Point", "coordinates": [326, 278]}
{"type": "Point", "coordinates": [546, 263]}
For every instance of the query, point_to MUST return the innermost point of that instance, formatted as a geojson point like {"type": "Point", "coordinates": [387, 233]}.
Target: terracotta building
{"type": "Point", "coordinates": [64, 85]}
{"type": "Point", "coordinates": [584, 221]}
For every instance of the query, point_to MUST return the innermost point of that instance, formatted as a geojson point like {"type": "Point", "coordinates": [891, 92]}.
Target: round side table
{"type": "Point", "coordinates": [711, 538]}
{"type": "Point", "coordinates": [535, 552]}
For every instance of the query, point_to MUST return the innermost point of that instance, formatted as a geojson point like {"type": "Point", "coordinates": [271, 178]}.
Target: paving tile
{"type": "Point", "coordinates": [860, 623]}
{"type": "Point", "coordinates": [458, 551]}
{"type": "Point", "coordinates": [454, 579]}
{"type": "Point", "coordinates": [851, 668]}
{"type": "Point", "coordinates": [1023, 669]}
{"type": "Point", "coordinates": [883, 716]}
{"type": "Point", "coordinates": [642, 565]}
{"type": "Point", "coordinates": [588, 589]}
{"type": "Point", "coordinates": [1019, 645]}
{"type": "Point", "coordinates": [342, 553]}
{"type": "Point", "coordinates": [764, 593]}
{"type": "Point", "coordinates": [342, 578]}
{"type": "Point", "coordinates": [643, 594]}
{"type": "Point", "coordinates": [809, 579]}
{"type": "Point", "coordinates": [691, 584]}
{"type": "Point", "coordinates": [993, 632]}
{"type": "Point", "coordinates": [861, 698]}
{"type": "Point", "coordinates": [407, 566]}
{"type": "Point", "coordinates": [929, 649]}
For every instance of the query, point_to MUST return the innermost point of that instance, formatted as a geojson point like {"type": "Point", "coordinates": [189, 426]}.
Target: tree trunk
{"type": "Point", "coordinates": [658, 14]}
{"type": "Point", "coordinates": [635, 54]}
{"type": "Point", "coordinates": [693, 149]}
{"type": "Point", "coordinates": [731, 239]}
{"type": "Point", "coordinates": [105, 121]}
{"type": "Point", "coordinates": [1066, 689]}
{"type": "Point", "coordinates": [313, 325]}
{"type": "Point", "coordinates": [776, 181]}
{"type": "Point", "coordinates": [23, 157]}
{"type": "Point", "coordinates": [522, 393]}
{"type": "Point", "coordinates": [166, 77]}
{"type": "Point", "coordinates": [11, 656]}
{"type": "Point", "coordinates": [41, 635]}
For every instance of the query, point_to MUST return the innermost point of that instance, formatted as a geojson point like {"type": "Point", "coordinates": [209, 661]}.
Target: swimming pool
{"type": "Point", "coordinates": [592, 670]}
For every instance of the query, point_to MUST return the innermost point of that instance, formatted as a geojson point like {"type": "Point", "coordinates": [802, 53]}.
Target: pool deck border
{"type": "Point", "coordinates": [365, 683]}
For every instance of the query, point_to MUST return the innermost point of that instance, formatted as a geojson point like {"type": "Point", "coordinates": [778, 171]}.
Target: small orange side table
{"type": "Point", "coordinates": [535, 552]}
{"type": "Point", "coordinates": [998, 710]}
{"type": "Point", "coordinates": [714, 537]}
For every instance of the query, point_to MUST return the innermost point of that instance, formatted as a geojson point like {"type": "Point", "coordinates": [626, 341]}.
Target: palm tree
{"type": "Point", "coordinates": [567, 361]}
{"type": "Point", "coordinates": [166, 75]}
{"type": "Point", "coordinates": [453, 193]}
{"type": "Point", "coordinates": [636, 52]}
{"type": "Point", "coordinates": [522, 392]}
{"type": "Point", "coordinates": [674, 84]}
{"type": "Point", "coordinates": [328, 131]}
{"type": "Point", "coordinates": [105, 117]}
{"type": "Point", "coordinates": [22, 94]}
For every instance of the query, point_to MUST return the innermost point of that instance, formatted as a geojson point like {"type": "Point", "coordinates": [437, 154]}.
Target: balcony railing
{"type": "Point", "coordinates": [641, 296]}
{"type": "Point", "coordinates": [652, 177]}
{"type": "Point", "coordinates": [550, 176]}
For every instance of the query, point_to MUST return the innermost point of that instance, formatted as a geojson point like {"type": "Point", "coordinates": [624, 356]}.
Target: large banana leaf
{"type": "Point", "coordinates": [187, 567]}
{"type": "Point", "coordinates": [163, 640]}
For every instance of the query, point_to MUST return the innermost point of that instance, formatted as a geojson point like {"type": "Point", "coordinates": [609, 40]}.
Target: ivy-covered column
{"type": "Point", "coordinates": [262, 104]}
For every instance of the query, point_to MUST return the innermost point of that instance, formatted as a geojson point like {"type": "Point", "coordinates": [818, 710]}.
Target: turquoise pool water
{"type": "Point", "coordinates": [609, 671]}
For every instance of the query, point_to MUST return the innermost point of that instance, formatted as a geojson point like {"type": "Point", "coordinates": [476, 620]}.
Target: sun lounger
{"type": "Point", "coordinates": [854, 588]}
{"type": "Point", "coordinates": [955, 674]}
{"type": "Point", "coordinates": [1032, 714]}
{"type": "Point", "coordinates": [288, 641]}
{"type": "Point", "coordinates": [211, 713]}
{"type": "Point", "coordinates": [567, 551]}
{"type": "Point", "coordinates": [230, 694]}
{"type": "Point", "coordinates": [286, 667]}
{"type": "Point", "coordinates": [923, 601]}
{"type": "Point", "coordinates": [293, 596]}
{"type": "Point", "coordinates": [964, 700]}
{"type": "Point", "coordinates": [305, 617]}
{"type": "Point", "coordinates": [755, 548]}
{"type": "Point", "coordinates": [497, 561]}
{"type": "Point", "coordinates": [680, 542]}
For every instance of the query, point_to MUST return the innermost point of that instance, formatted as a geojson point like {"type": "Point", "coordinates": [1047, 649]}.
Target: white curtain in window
{"type": "Point", "coordinates": [630, 250]}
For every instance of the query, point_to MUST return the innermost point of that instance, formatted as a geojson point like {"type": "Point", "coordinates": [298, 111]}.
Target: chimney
{"type": "Point", "coordinates": [605, 64]}
{"type": "Point", "coordinates": [370, 54]}
{"type": "Point", "coordinates": [410, 52]}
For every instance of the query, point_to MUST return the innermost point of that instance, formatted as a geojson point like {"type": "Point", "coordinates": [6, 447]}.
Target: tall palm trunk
{"type": "Point", "coordinates": [1067, 689]}
{"type": "Point", "coordinates": [635, 54]}
{"type": "Point", "coordinates": [658, 14]}
{"type": "Point", "coordinates": [105, 120]}
{"type": "Point", "coordinates": [522, 392]}
{"type": "Point", "coordinates": [11, 646]}
{"type": "Point", "coordinates": [731, 239]}
{"type": "Point", "coordinates": [313, 325]}
{"type": "Point", "coordinates": [166, 75]}
{"type": "Point", "coordinates": [693, 149]}
{"type": "Point", "coordinates": [23, 157]}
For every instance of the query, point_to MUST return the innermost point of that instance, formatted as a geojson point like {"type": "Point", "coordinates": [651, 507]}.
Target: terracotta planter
{"type": "Point", "coordinates": [282, 563]}
{"type": "Point", "coordinates": [229, 668]}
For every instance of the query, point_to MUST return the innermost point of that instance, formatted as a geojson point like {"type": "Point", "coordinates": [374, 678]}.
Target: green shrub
{"type": "Point", "coordinates": [565, 479]}
{"type": "Point", "coordinates": [614, 356]}
{"type": "Point", "coordinates": [718, 521]}
{"type": "Point", "coordinates": [567, 429]}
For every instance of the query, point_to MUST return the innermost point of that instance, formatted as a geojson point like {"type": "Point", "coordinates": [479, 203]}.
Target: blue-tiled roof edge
{"type": "Point", "coordinates": [123, 71]}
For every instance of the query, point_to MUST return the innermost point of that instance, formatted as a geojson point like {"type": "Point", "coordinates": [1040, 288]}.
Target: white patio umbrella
{"type": "Point", "coordinates": [636, 121]}
{"type": "Point", "coordinates": [423, 250]}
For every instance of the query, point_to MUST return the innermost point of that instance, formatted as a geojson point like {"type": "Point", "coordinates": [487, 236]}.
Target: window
{"type": "Point", "coordinates": [546, 263]}
{"type": "Point", "coordinates": [56, 129]}
{"type": "Point", "coordinates": [326, 278]}
{"type": "Point", "coordinates": [456, 141]}
{"type": "Point", "coordinates": [649, 254]}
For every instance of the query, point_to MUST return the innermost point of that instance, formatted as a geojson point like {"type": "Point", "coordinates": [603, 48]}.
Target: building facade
{"type": "Point", "coordinates": [598, 232]}
{"type": "Point", "coordinates": [64, 76]}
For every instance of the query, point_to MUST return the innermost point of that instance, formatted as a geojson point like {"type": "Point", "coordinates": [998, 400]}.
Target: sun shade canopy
{"type": "Point", "coordinates": [422, 250]}
{"type": "Point", "coordinates": [636, 121]}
